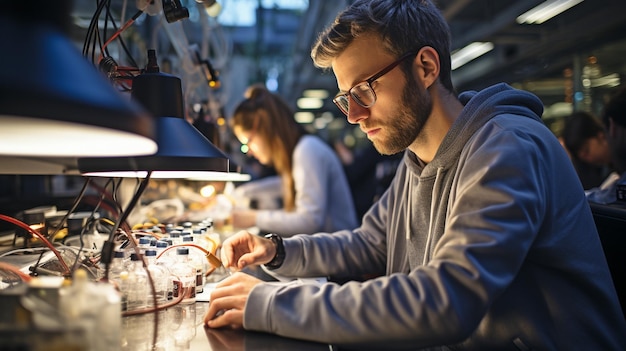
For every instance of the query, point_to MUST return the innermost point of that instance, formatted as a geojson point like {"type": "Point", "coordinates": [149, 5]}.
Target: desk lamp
{"type": "Point", "coordinates": [183, 151]}
{"type": "Point", "coordinates": [53, 102]}
{"type": "Point", "coordinates": [234, 174]}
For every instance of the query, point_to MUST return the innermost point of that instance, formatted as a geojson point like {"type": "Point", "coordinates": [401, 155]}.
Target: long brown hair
{"type": "Point", "coordinates": [273, 121]}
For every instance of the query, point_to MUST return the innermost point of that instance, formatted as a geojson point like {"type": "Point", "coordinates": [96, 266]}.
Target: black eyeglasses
{"type": "Point", "coordinates": [363, 93]}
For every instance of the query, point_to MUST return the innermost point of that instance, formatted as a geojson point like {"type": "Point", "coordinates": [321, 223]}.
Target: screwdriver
{"type": "Point", "coordinates": [216, 262]}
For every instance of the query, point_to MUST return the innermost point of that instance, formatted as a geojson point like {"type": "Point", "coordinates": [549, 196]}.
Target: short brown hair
{"type": "Point", "coordinates": [403, 25]}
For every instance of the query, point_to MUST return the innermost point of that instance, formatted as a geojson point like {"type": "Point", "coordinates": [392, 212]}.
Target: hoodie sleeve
{"type": "Point", "coordinates": [443, 301]}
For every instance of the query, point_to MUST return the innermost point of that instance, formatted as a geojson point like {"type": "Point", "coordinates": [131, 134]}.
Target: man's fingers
{"type": "Point", "coordinates": [234, 247]}
{"type": "Point", "coordinates": [226, 257]}
{"type": "Point", "coordinates": [225, 288]}
{"type": "Point", "coordinates": [228, 318]}
{"type": "Point", "coordinates": [224, 311]}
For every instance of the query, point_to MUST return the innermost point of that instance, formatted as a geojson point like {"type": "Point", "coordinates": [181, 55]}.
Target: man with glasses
{"type": "Point", "coordinates": [484, 240]}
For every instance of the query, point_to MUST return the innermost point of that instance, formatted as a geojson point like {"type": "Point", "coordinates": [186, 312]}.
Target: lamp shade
{"type": "Point", "coordinates": [234, 174]}
{"type": "Point", "coordinates": [183, 151]}
{"type": "Point", "coordinates": [53, 101]}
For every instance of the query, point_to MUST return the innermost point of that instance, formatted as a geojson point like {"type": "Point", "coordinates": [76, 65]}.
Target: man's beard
{"type": "Point", "coordinates": [406, 125]}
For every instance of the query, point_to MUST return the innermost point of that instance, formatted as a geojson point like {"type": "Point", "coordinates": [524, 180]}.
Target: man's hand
{"type": "Point", "coordinates": [228, 301]}
{"type": "Point", "coordinates": [244, 249]}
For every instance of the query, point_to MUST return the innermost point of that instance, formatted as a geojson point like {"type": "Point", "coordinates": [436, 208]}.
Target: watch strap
{"type": "Point", "coordinates": [279, 257]}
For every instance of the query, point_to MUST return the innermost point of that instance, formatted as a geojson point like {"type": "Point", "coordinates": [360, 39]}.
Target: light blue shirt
{"type": "Point", "coordinates": [323, 199]}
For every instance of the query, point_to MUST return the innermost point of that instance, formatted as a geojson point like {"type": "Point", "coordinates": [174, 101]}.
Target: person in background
{"type": "Point", "coordinates": [369, 173]}
{"type": "Point", "coordinates": [315, 192]}
{"type": "Point", "coordinates": [484, 239]}
{"type": "Point", "coordinates": [585, 140]}
{"type": "Point", "coordinates": [614, 119]}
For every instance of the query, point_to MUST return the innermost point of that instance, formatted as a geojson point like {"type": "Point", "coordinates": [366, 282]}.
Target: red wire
{"type": "Point", "coordinates": [40, 236]}
{"type": "Point", "coordinates": [115, 35]}
{"type": "Point", "coordinates": [205, 251]}
{"type": "Point", "coordinates": [11, 268]}
{"type": "Point", "coordinates": [207, 254]}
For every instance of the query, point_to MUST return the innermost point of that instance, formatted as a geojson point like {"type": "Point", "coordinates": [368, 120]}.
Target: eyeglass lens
{"type": "Point", "coordinates": [362, 93]}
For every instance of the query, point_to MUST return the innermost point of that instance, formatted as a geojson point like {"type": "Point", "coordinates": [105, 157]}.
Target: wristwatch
{"type": "Point", "coordinates": [279, 257]}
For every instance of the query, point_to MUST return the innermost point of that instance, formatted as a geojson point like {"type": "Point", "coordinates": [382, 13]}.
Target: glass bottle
{"type": "Point", "coordinates": [160, 277]}
{"type": "Point", "coordinates": [186, 274]}
{"type": "Point", "coordinates": [138, 285]}
{"type": "Point", "coordinates": [196, 258]}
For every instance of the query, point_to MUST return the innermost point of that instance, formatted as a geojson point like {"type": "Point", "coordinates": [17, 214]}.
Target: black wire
{"type": "Point", "coordinates": [92, 216]}
{"type": "Point", "coordinates": [107, 249]}
{"type": "Point", "coordinates": [33, 268]}
{"type": "Point", "coordinates": [89, 34]}
{"type": "Point", "coordinates": [121, 40]}
{"type": "Point", "coordinates": [92, 31]}
{"type": "Point", "coordinates": [97, 40]}
{"type": "Point", "coordinates": [107, 15]}
{"type": "Point", "coordinates": [72, 209]}
{"type": "Point", "coordinates": [116, 188]}
{"type": "Point", "coordinates": [88, 222]}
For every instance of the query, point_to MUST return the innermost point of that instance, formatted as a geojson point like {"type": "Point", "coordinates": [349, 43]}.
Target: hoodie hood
{"type": "Point", "coordinates": [479, 108]}
{"type": "Point", "coordinates": [430, 185]}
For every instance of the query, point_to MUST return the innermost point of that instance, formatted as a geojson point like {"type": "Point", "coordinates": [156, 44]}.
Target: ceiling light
{"type": "Point", "coordinates": [545, 11]}
{"type": "Point", "coordinates": [610, 80]}
{"type": "Point", "coordinates": [183, 151]}
{"type": "Point", "coordinates": [469, 53]}
{"type": "Point", "coordinates": [308, 103]}
{"type": "Point", "coordinates": [315, 93]}
{"type": "Point", "coordinates": [53, 102]}
{"type": "Point", "coordinates": [304, 117]}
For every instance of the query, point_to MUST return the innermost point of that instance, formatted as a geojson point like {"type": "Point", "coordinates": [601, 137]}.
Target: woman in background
{"type": "Point", "coordinates": [584, 138]}
{"type": "Point", "coordinates": [315, 192]}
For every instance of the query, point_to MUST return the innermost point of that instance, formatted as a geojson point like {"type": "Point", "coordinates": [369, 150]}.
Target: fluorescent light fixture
{"type": "Point", "coordinates": [53, 101]}
{"type": "Point", "coordinates": [304, 117]}
{"type": "Point", "coordinates": [610, 80]}
{"type": "Point", "coordinates": [469, 53]}
{"type": "Point", "coordinates": [315, 93]}
{"type": "Point", "coordinates": [309, 103]}
{"type": "Point", "coordinates": [546, 10]}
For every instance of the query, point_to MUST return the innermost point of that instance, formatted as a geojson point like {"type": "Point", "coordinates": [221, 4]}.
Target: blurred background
{"type": "Point", "coordinates": [572, 57]}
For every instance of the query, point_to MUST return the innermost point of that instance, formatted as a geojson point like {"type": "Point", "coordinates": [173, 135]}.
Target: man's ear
{"type": "Point", "coordinates": [428, 63]}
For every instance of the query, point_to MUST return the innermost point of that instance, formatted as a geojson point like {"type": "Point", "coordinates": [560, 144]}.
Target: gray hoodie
{"type": "Point", "coordinates": [492, 245]}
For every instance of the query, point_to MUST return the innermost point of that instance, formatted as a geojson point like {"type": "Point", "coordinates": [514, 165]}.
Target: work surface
{"type": "Point", "coordinates": [181, 328]}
